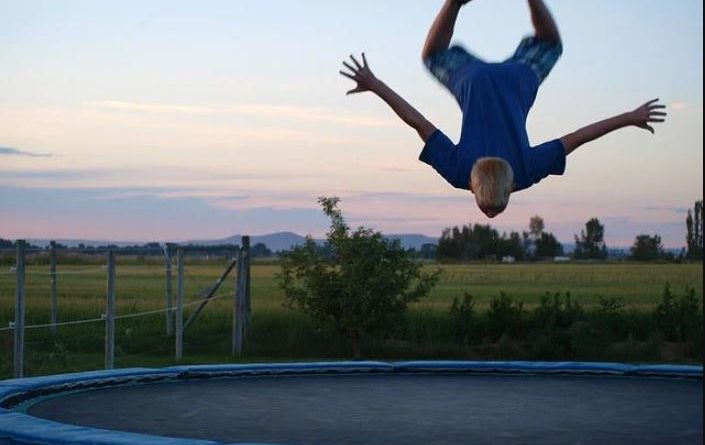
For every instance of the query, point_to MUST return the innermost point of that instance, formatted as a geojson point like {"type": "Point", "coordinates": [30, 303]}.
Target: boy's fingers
{"type": "Point", "coordinates": [364, 60]}
{"type": "Point", "coordinates": [349, 67]}
{"type": "Point", "coordinates": [651, 101]}
{"type": "Point", "coordinates": [657, 107]}
{"type": "Point", "coordinates": [658, 113]}
{"type": "Point", "coordinates": [653, 119]}
{"type": "Point", "coordinates": [353, 91]}
{"type": "Point", "coordinates": [349, 76]}
{"type": "Point", "coordinates": [357, 64]}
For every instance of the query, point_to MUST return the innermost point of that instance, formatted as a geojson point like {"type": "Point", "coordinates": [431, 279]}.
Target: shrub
{"type": "Point", "coordinates": [552, 320]}
{"type": "Point", "coordinates": [608, 317]}
{"type": "Point", "coordinates": [555, 313]}
{"type": "Point", "coordinates": [463, 319]}
{"type": "Point", "coordinates": [680, 319]}
{"type": "Point", "coordinates": [505, 316]}
{"type": "Point", "coordinates": [586, 341]}
{"type": "Point", "coordinates": [362, 288]}
{"type": "Point", "coordinates": [509, 348]}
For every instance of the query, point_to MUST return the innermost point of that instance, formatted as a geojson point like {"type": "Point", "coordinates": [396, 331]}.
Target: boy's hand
{"type": "Point", "coordinates": [366, 81]}
{"type": "Point", "coordinates": [646, 114]}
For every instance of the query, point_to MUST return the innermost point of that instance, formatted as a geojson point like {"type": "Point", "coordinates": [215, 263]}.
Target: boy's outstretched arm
{"type": "Point", "coordinates": [642, 117]}
{"type": "Point", "coordinates": [366, 81]}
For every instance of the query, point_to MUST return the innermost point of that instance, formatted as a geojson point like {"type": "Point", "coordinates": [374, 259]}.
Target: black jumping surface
{"type": "Point", "coordinates": [398, 409]}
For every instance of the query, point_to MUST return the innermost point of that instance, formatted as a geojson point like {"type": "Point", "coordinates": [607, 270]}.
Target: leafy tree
{"type": "Point", "coordinates": [9, 244]}
{"type": "Point", "coordinates": [539, 243]}
{"type": "Point", "coordinates": [591, 243]}
{"type": "Point", "coordinates": [448, 247]}
{"type": "Point", "coordinates": [548, 246]}
{"type": "Point", "coordinates": [694, 237]}
{"type": "Point", "coordinates": [362, 289]}
{"type": "Point", "coordinates": [477, 242]}
{"type": "Point", "coordinates": [428, 251]}
{"type": "Point", "coordinates": [484, 241]}
{"type": "Point", "coordinates": [260, 250]}
{"type": "Point", "coordinates": [536, 227]}
{"type": "Point", "coordinates": [512, 246]}
{"type": "Point", "coordinates": [647, 248]}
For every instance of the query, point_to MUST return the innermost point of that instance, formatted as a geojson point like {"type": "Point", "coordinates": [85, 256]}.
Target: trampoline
{"type": "Point", "coordinates": [359, 403]}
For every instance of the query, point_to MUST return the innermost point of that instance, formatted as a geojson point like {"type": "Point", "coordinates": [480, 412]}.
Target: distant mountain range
{"type": "Point", "coordinates": [287, 240]}
{"type": "Point", "coordinates": [273, 241]}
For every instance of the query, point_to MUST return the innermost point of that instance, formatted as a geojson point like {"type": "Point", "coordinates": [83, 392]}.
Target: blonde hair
{"type": "Point", "coordinates": [492, 181]}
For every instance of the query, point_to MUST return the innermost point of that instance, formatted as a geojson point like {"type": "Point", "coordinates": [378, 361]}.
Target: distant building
{"type": "Point", "coordinates": [561, 259]}
{"type": "Point", "coordinates": [508, 259]}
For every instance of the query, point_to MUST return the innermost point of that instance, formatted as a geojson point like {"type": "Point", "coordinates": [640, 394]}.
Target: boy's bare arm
{"type": "Point", "coordinates": [366, 81]}
{"type": "Point", "coordinates": [642, 117]}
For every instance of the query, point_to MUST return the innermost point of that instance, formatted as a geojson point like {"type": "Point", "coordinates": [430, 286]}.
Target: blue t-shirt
{"type": "Point", "coordinates": [495, 99]}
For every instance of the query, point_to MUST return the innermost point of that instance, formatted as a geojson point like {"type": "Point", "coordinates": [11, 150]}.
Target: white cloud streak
{"type": "Point", "coordinates": [305, 114]}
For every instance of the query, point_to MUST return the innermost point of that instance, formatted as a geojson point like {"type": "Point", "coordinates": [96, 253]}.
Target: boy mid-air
{"type": "Point", "coordinates": [493, 157]}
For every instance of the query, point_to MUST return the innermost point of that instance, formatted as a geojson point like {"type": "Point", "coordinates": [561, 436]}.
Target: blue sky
{"type": "Point", "coordinates": [179, 120]}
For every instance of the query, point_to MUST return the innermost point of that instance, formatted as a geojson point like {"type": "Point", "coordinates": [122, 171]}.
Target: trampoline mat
{"type": "Point", "coordinates": [397, 409]}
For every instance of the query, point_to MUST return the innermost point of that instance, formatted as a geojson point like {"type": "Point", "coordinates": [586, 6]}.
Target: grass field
{"type": "Point", "coordinates": [81, 289]}
{"type": "Point", "coordinates": [141, 287]}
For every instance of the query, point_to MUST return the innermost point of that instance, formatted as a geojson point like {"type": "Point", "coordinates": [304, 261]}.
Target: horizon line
{"type": "Point", "coordinates": [210, 240]}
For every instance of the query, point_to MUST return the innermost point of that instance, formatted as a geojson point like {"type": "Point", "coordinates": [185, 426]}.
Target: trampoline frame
{"type": "Point", "coordinates": [19, 428]}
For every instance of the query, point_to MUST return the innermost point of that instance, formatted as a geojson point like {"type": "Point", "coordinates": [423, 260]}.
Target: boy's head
{"type": "Point", "coordinates": [492, 181]}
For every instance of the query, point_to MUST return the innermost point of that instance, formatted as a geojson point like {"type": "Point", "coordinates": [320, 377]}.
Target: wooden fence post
{"type": "Point", "coordinates": [246, 266]}
{"type": "Point", "coordinates": [169, 297]}
{"type": "Point", "coordinates": [19, 310]}
{"type": "Point", "coordinates": [54, 297]}
{"type": "Point", "coordinates": [110, 314]}
{"type": "Point", "coordinates": [237, 303]}
{"type": "Point", "coordinates": [180, 304]}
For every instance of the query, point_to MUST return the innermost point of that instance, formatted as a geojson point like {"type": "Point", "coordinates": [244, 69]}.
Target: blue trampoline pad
{"type": "Point", "coordinates": [397, 405]}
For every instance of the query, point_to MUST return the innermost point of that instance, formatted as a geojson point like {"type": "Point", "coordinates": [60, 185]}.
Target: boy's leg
{"type": "Point", "coordinates": [544, 48]}
{"type": "Point", "coordinates": [544, 25]}
{"type": "Point", "coordinates": [441, 31]}
{"type": "Point", "coordinates": [443, 62]}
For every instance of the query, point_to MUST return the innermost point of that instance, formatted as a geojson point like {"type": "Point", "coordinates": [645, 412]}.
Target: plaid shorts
{"type": "Point", "coordinates": [540, 55]}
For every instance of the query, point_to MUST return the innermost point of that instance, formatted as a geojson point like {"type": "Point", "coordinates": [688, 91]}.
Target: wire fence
{"type": "Point", "coordinates": [68, 316]}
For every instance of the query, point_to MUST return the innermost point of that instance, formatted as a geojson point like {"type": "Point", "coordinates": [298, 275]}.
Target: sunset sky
{"type": "Point", "coordinates": [175, 120]}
